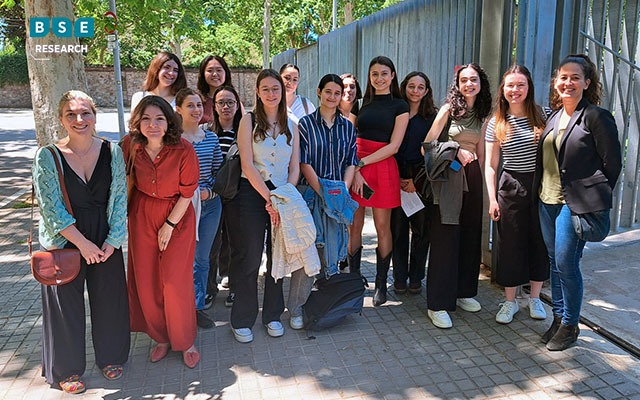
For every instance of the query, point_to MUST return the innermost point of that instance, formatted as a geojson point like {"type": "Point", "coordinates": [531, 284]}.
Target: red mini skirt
{"type": "Point", "coordinates": [383, 177]}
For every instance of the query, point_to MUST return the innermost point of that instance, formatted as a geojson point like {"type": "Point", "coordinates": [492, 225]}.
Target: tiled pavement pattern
{"type": "Point", "coordinates": [389, 352]}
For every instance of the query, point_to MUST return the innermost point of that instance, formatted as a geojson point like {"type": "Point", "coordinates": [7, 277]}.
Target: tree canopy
{"type": "Point", "coordinates": [193, 28]}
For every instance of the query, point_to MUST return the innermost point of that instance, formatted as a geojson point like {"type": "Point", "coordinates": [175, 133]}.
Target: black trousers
{"type": "Point", "coordinates": [409, 265]}
{"type": "Point", "coordinates": [454, 258]}
{"type": "Point", "coordinates": [247, 223]}
{"type": "Point", "coordinates": [521, 253]}
{"type": "Point", "coordinates": [63, 320]}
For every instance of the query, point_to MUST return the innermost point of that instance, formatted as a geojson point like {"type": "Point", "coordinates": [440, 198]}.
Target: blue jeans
{"type": "Point", "coordinates": [207, 228]}
{"type": "Point", "coordinates": [565, 250]}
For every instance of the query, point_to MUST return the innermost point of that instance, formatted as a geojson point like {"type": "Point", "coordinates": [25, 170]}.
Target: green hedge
{"type": "Point", "coordinates": [13, 68]}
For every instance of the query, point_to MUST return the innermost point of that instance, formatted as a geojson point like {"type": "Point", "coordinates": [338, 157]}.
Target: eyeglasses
{"type": "Point", "coordinates": [228, 103]}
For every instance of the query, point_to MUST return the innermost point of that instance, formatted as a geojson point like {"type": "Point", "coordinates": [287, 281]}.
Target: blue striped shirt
{"type": "Point", "coordinates": [209, 157]}
{"type": "Point", "coordinates": [329, 151]}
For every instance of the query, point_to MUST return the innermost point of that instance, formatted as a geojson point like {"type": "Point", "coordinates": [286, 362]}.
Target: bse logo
{"type": "Point", "coordinates": [61, 27]}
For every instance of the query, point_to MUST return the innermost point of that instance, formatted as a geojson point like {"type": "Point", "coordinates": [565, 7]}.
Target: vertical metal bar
{"type": "Point", "coordinates": [118, 76]}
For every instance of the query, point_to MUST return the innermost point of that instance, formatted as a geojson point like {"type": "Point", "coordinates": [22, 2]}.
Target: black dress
{"type": "Point", "coordinates": [63, 310]}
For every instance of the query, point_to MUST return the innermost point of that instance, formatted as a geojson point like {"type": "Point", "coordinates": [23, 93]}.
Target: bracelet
{"type": "Point", "coordinates": [171, 224]}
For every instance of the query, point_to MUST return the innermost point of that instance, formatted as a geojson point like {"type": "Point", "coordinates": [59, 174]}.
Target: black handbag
{"type": "Point", "coordinates": [228, 178]}
{"type": "Point", "coordinates": [593, 226]}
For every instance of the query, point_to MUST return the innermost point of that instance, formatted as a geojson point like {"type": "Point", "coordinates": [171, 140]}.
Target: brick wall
{"type": "Point", "coordinates": [101, 84]}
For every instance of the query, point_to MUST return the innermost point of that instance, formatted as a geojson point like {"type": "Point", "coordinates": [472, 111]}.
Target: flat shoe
{"type": "Point", "coordinates": [191, 358]}
{"type": "Point", "coordinates": [112, 372]}
{"type": "Point", "coordinates": [72, 385]}
{"type": "Point", "coordinates": [159, 352]}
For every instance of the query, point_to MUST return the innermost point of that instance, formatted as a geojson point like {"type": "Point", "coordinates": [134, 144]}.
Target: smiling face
{"type": "Point", "coordinates": [191, 109]}
{"type": "Point", "coordinates": [168, 73]}
{"type": "Point", "coordinates": [469, 83]}
{"type": "Point", "coordinates": [416, 89]}
{"type": "Point", "coordinates": [153, 123]}
{"type": "Point", "coordinates": [381, 77]}
{"type": "Point", "coordinates": [77, 117]}
{"type": "Point", "coordinates": [516, 88]}
{"type": "Point", "coordinates": [330, 95]}
{"type": "Point", "coordinates": [214, 74]}
{"type": "Point", "coordinates": [270, 92]}
{"type": "Point", "coordinates": [226, 105]}
{"type": "Point", "coordinates": [290, 76]}
{"type": "Point", "coordinates": [570, 82]}
{"type": "Point", "coordinates": [350, 90]}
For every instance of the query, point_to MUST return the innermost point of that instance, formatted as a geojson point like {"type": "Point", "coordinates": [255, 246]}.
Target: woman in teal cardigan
{"type": "Point", "coordinates": [94, 175]}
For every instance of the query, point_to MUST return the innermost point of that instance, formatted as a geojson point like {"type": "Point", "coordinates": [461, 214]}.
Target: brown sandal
{"type": "Point", "coordinates": [72, 385]}
{"type": "Point", "coordinates": [112, 372]}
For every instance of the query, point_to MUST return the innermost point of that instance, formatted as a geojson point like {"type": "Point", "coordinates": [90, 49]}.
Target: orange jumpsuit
{"type": "Point", "coordinates": [160, 284]}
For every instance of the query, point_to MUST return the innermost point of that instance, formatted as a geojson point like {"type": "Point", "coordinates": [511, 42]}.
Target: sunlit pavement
{"type": "Point", "coordinates": [388, 352]}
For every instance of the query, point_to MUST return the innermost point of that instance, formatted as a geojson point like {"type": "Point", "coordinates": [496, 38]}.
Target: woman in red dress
{"type": "Point", "coordinates": [164, 168]}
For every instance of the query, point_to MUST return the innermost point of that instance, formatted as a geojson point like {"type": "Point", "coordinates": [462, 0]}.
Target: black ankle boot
{"type": "Point", "coordinates": [382, 269]}
{"type": "Point", "coordinates": [552, 329]}
{"type": "Point", "coordinates": [565, 337]}
{"type": "Point", "coordinates": [354, 261]}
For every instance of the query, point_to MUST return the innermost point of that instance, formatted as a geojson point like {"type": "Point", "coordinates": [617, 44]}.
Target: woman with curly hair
{"type": "Point", "coordinates": [454, 259]}
{"type": "Point", "coordinates": [165, 77]}
{"type": "Point", "coordinates": [165, 173]}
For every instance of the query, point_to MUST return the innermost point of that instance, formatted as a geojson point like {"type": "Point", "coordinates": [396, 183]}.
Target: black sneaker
{"type": "Point", "coordinates": [208, 301]}
{"type": "Point", "coordinates": [228, 302]}
{"type": "Point", "coordinates": [203, 320]}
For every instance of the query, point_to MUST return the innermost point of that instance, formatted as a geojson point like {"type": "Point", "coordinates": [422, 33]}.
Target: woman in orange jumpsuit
{"type": "Point", "coordinates": [165, 172]}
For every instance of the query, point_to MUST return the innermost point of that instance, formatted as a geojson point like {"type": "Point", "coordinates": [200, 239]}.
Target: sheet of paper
{"type": "Point", "coordinates": [411, 202]}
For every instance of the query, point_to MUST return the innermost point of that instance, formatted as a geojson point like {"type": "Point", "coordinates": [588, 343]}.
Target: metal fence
{"type": "Point", "coordinates": [426, 35]}
{"type": "Point", "coordinates": [609, 32]}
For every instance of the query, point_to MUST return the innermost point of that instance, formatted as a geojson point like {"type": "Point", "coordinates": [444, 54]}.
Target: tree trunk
{"type": "Point", "coordinates": [51, 74]}
{"type": "Point", "coordinates": [266, 41]}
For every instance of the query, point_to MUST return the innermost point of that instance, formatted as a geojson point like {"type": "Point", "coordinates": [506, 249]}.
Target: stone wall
{"type": "Point", "coordinates": [101, 84]}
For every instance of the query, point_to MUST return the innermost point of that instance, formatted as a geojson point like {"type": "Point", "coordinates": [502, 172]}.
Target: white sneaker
{"type": "Point", "coordinates": [468, 304]}
{"type": "Point", "coordinates": [275, 329]}
{"type": "Point", "coordinates": [536, 309]}
{"type": "Point", "coordinates": [296, 323]}
{"type": "Point", "coordinates": [440, 319]}
{"type": "Point", "coordinates": [242, 335]}
{"type": "Point", "coordinates": [507, 310]}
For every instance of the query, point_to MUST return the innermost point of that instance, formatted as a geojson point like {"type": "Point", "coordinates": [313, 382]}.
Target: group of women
{"type": "Point", "coordinates": [351, 155]}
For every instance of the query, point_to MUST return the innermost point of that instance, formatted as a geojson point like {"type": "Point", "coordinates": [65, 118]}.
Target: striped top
{"type": "Point", "coordinates": [329, 151]}
{"type": "Point", "coordinates": [519, 150]}
{"type": "Point", "coordinates": [209, 157]}
{"type": "Point", "coordinates": [226, 139]}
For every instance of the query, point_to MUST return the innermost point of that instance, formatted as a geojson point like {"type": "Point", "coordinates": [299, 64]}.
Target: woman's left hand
{"type": "Point", "coordinates": [465, 157]}
{"type": "Point", "coordinates": [204, 194]}
{"type": "Point", "coordinates": [407, 185]}
{"type": "Point", "coordinates": [273, 214]}
{"type": "Point", "coordinates": [164, 235]}
{"type": "Point", "coordinates": [108, 250]}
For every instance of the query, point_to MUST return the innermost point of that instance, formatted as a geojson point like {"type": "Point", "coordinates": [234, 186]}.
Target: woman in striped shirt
{"type": "Point", "coordinates": [189, 108]}
{"type": "Point", "coordinates": [513, 132]}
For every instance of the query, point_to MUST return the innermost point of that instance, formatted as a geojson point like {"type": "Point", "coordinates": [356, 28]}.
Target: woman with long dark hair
{"type": "Point", "coordinates": [456, 227]}
{"type": "Point", "coordinates": [579, 161]}
{"type": "Point", "coordinates": [513, 133]}
{"type": "Point", "coordinates": [213, 73]}
{"type": "Point", "coordinates": [381, 126]}
{"type": "Point", "coordinates": [416, 90]}
{"type": "Point", "coordinates": [349, 106]}
{"type": "Point", "coordinates": [297, 106]}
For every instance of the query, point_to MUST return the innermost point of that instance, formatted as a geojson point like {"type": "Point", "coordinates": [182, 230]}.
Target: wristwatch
{"type": "Point", "coordinates": [360, 164]}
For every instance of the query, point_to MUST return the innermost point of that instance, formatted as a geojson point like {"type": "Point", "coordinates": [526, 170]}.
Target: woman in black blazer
{"type": "Point", "coordinates": [578, 164]}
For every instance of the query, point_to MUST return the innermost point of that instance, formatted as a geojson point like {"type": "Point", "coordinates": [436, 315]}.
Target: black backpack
{"type": "Point", "coordinates": [334, 299]}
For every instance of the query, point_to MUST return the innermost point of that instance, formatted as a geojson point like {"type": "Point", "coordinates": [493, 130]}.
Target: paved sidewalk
{"type": "Point", "coordinates": [388, 352]}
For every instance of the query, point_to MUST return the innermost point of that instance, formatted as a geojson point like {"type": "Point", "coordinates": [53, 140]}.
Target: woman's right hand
{"type": "Point", "coordinates": [358, 183]}
{"type": "Point", "coordinates": [465, 157]}
{"type": "Point", "coordinates": [90, 252]}
{"type": "Point", "coordinates": [494, 211]}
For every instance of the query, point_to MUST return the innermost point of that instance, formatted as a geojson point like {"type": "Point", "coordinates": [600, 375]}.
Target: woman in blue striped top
{"type": "Point", "coordinates": [207, 147]}
{"type": "Point", "coordinates": [514, 131]}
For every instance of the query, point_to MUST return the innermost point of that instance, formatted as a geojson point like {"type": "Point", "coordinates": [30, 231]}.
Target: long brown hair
{"type": "Point", "coordinates": [262, 122]}
{"type": "Point", "coordinates": [151, 81]}
{"type": "Point", "coordinates": [532, 110]}
{"type": "Point", "coordinates": [427, 107]}
{"type": "Point", "coordinates": [394, 87]}
{"type": "Point", "coordinates": [456, 100]}
{"type": "Point", "coordinates": [593, 93]}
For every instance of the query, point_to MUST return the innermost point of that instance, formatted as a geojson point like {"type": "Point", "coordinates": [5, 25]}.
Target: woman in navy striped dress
{"type": "Point", "coordinates": [189, 107]}
{"type": "Point", "coordinates": [513, 132]}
